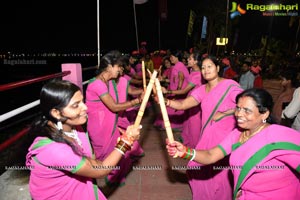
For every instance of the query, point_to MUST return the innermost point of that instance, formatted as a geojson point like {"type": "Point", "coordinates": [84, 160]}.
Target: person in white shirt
{"type": "Point", "coordinates": [293, 110]}
{"type": "Point", "coordinates": [247, 78]}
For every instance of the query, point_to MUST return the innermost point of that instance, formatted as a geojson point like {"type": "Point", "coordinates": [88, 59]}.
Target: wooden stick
{"type": "Point", "coordinates": [164, 111]}
{"type": "Point", "coordinates": [144, 75]}
{"type": "Point", "coordinates": [154, 89]}
{"type": "Point", "coordinates": [145, 100]}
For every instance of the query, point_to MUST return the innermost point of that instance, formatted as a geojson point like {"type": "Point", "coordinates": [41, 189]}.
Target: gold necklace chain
{"type": "Point", "coordinates": [244, 137]}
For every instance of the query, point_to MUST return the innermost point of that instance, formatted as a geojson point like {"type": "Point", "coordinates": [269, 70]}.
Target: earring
{"type": "Point", "coordinates": [264, 121]}
{"type": "Point", "coordinates": [59, 125]}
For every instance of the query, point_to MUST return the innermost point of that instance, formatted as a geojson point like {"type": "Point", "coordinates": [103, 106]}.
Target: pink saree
{"type": "Point", "coordinates": [176, 117]}
{"type": "Point", "coordinates": [102, 123]}
{"type": "Point", "coordinates": [209, 183]}
{"type": "Point", "coordinates": [119, 92]}
{"type": "Point", "coordinates": [192, 124]}
{"type": "Point", "coordinates": [53, 167]}
{"type": "Point", "coordinates": [267, 166]}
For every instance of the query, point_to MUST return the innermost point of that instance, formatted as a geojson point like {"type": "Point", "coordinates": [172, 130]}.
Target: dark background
{"type": "Point", "coordinates": [66, 26]}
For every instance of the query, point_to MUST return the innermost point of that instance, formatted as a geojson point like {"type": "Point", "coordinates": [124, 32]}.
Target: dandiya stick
{"type": "Point", "coordinates": [154, 89]}
{"type": "Point", "coordinates": [145, 100]}
{"type": "Point", "coordinates": [164, 111]}
{"type": "Point", "coordinates": [144, 75]}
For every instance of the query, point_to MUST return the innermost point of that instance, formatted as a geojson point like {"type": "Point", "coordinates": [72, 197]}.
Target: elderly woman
{"type": "Point", "coordinates": [61, 159]}
{"type": "Point", "coordinates": [264, 158]}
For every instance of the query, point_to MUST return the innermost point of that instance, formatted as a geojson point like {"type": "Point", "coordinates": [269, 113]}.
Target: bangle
{"type": "Point", "coordinates": [122, 146]}
{"type": "Point", "coordinates": [189, 154]}
{"type": "Point", "coordinates": [194, 155]}
{"type": "Point", "coordinates": [119, 151]}
{"type": "Point", "coordinates": [169, 92]}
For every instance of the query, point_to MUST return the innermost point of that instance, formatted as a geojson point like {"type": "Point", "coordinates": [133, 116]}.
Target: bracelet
{"type": "Point", "coordinates": [189, 154]}
{"type": "Point", "coordinates": [122, 146]}
{"type": "Point", "coordinates": [119, 151]}
{"type": "Point", "coordinates": [169, 92]}
{"type": "Point", "coordinates": [194, 155]}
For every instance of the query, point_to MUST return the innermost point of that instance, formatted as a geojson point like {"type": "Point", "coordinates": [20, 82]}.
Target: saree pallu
{"type": "Point", "coordinates": [214, 181]}
{"type": "Point", "coordinates": [270, 164]}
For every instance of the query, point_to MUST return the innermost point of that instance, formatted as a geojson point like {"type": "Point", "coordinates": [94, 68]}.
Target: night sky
{"type": "Point", "coordinates": [34, 25]}
{"type": "Point", "coordinates": [67, 26]}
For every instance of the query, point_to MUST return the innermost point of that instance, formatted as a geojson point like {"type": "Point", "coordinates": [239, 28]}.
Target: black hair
{"type": "Point", "coordinates": [111, 58]}
{"type": "Point", "coordinates": [262, 98]}
{"type": "Point", "coordinates": [291, 75]}
{"type": "Point", "coordinates": [124, 59]}
{"type": "Point", "coordinates": [56, 94]}
{"type": "Point", "coordinates": [197, 56]}
{"type": "Point", "coordinates": [177, 53]}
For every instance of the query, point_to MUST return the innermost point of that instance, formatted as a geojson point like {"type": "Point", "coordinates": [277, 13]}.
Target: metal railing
{"type": "Point", "coordinates": [26, 107]}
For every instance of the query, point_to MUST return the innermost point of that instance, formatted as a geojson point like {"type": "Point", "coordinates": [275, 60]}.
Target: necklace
{"type": "Point", "coordinates": [244, 137]}
{"type": "Point", "coordinates": [74, 135]}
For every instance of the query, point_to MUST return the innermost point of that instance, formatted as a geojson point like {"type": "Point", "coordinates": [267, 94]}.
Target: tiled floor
{"type": "Point", "coordinates": [152, 176]}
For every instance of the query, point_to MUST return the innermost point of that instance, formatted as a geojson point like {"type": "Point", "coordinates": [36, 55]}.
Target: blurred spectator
{"type": "Point", "coordinates": [228, 72]}
{"type": "Point", "coordinates": [247, 77]}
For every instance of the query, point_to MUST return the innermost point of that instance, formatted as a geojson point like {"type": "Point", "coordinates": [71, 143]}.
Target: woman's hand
{"type": "Point", "coordinates": [175, 148]}
{"type": "Point", "coordinates": [219, 115]}
{"type": "Point", "coordinates": [131, 134]}
{"type": "Point", "coordinates": [141, 97]}
{"type": "Point", "coordinates": [164, 90]}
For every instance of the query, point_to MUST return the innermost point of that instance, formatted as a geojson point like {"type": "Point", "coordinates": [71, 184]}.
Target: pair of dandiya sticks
{"type": "Point", "coordinates": [158, 91]}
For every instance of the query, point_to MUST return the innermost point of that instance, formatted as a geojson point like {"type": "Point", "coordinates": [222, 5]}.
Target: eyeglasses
{"type": "Point", "coordinates": [247, 111]}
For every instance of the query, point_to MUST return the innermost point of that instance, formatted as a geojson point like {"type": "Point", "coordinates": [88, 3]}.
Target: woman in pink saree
{"type": "Point", "coordinates": [217, 101]}
{"type": "Point", "coordinates": [61, 159]}
{"type": "Point", "coordinates": [178, 80]}
{"type": "Point", "coordinates": [264, 158]}
{"type": "Point", "coordinates": [192, 123]}
{"type": "Point", "coordinates": [103, 107]}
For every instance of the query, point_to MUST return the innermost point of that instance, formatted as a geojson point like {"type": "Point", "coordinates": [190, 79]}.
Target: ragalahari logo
{"type": "Point", "coordinates": [236, 10]}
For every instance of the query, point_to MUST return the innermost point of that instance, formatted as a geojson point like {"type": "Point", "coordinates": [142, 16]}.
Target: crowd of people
{"type": "Point", "coordinates": [218, 105]}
